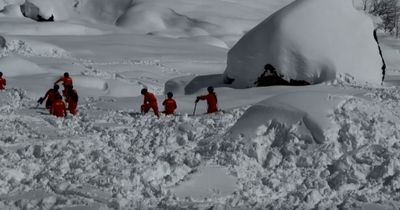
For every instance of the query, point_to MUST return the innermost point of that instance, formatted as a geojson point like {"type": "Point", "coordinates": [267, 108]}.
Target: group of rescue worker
{"type": "Point", "coordinates": [59, 108]}
{"type": "Point", "coordinates": [150, 102]}
{"type": "Point", "coordinates": [55, 103]}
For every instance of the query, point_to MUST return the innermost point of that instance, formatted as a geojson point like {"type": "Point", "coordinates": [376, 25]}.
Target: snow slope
{"type": "Point", "coordinates": [313, 40]}
{"type": "Point", "coordinates": [327, 146]}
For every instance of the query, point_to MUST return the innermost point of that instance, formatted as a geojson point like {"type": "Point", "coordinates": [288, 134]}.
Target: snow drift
{"type": "Point", "coordinates": [93, 10]}
{"type": "Point", "coordinates": [15, 66]}
{"type": "Point", "coordinates": [310, 40]}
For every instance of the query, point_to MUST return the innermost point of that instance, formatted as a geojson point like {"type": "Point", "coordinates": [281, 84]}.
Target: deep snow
{"type": "Point", "coordinates": [312, 40]}
{"type": "Point", "coordinates": [327, 146]}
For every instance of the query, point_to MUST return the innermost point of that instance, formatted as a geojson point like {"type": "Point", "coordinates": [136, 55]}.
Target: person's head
{"type": "Point", "coordinates": [56, 87]}
{"type": "Point", "coordinates": [1, 74]}
{"type": "Point", "coordinates": [143, 91]}
{"type": "Point", "coordinates": [210, 89]}
{"type": "Point", "coordinates": [170, 94]}
{"type": "Point", "coordinates": [66, 74]}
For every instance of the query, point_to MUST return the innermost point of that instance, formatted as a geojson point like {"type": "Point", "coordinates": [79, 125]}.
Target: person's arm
{"type": "Point", "coordinates": [59, 80]}
{"type": "Point", "coordinates": [47, 94]}
{"type": "Point", "coordinates": [175, 105]}
{"type": "Point", "coordinates": [5, 82]}
{"type": "Point", "coordinates": [202, 97]}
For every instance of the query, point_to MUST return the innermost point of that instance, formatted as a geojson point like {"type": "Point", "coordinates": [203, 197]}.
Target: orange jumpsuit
{"type": "Point", "coordinates": [58, 108]}
{"type": "Point", "coordinates": [67, 82]}
{"type": "Point", "coordinates": [3, 83]}
{"type": "Point", "coordinates": [170, 106]}
{"type": "Point", "coordinates": [51, 97]}
{"type": "Point", "coordinates": [150, 102]}
{"type": "Point", "coordinates": [72, 102]}
{"type": "Point", "coordinates": [211, 102]}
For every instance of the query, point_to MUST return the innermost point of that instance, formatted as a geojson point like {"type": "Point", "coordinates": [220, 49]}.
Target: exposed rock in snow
{"type": "Point", "coordinates": [2, 42]}
{"type": "Point", "coordinates": [93, 10]}
{"type": "Point", "coordinates": [311, 40]}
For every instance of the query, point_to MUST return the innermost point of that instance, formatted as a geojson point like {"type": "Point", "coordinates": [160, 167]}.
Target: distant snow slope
{"type": "Point", "coordinates": [221, 24]}
{"type": "Point", "coordinates": [312, 40]}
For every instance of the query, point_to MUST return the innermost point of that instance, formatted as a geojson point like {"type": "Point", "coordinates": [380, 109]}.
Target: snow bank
{"type": "Point", "coordinates": [308, 111]}
{"type": "Point", "coordinates": [47, 29]}
{"type": "Point", "coordinates": [311, 40]}
{"type": "Point", "coordinates": [150, 18]}
{"type": "Point", "coordinates": [12, 66]}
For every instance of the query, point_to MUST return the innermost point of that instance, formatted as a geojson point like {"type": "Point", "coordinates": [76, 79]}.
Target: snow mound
{"type": "Point", "coordinates": [308, 112]}
{"type": "Point", "coordinates": [12, 66]}
{"type": "Point", "coordinates": [313, 40]}
{"type": "Point", "coordinates": [28, 47]}
{"type": "Point", "coordinates": [12, 10]}
{"type": "Point", "coordinates": [93, 10]}
{"type": "Point", "coordinates": [150, 18]}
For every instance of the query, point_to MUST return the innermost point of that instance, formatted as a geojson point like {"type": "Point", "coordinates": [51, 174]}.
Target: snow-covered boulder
{"type": "Point", "coordinates": [104, 11]}
{"type": "Point", "coordinates": [310, 40]}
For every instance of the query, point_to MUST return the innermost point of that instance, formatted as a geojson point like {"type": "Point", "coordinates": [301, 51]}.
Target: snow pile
{"type": "Point", "coordinates": [280, 168]}
{"type": "Point", "coordinates": [150, 18]}
{"type": "Point", "coordinates": [308, 110]}
{"type": "Point", "coordinates": [12, 10]}
{"type": "Point", "coordinates": [94, 10]}
{"type": "Point", "coordinates": [12, 66]}
{"type": "Point", "coordinates": [311, 40]}
{"type": "Point", "coordinates": [29, 48]}
{"type": "Point", "coordinates": [101, 157]}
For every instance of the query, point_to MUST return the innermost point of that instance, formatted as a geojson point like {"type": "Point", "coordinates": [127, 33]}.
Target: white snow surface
{"type": "Point", "coordinates": [311, 40]}
{"type": "Point", "coordinates": [328, 146]}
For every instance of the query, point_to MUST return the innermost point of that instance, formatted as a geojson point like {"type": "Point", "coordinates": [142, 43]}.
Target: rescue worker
{"type": "Point", "coordinates": [169, 104]}
{"type": "Point", "coordinates": [211, 100]}
{"type": "Point", "coordinates": [67, 81]}
{"type": "Point", "coordinates": [51, 96]}
{"type": "Point", "coordinates": [72, 100]}
{"type": "Point", "coordinates": [150, 102]}
{"type": "Point", "coordinates": [3, 82]}
{"type": "Point", "coordinates": [58, 108]}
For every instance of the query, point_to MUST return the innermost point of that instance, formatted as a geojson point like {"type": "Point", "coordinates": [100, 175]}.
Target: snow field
{"type": "Point", "coordinates": [125, 159]}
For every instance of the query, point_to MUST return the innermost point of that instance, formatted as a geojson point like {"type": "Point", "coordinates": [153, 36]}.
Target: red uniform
{"type": "Point", "coordinates": [211, 102]}
{"type": "Point", "coordinates": [150, 102]}
{"type": "Point", "coordinates": [67, 82]}
{"type": "Point", "coordinates": [58, 108]}
{"type": "Point", "coordinates": [51, 97]}
{"type": "Point", "coordinates": [72, 100]}
{"type": "Point", "coordinates": [170, 106]}
{"type": "Point", "coordinates": [3, 83]}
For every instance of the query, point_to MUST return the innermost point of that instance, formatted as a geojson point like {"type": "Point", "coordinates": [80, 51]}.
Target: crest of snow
{"type": "Point", "coordinates": [311, 40]}
{"type": "Point", "coordinates": [15, 66]}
